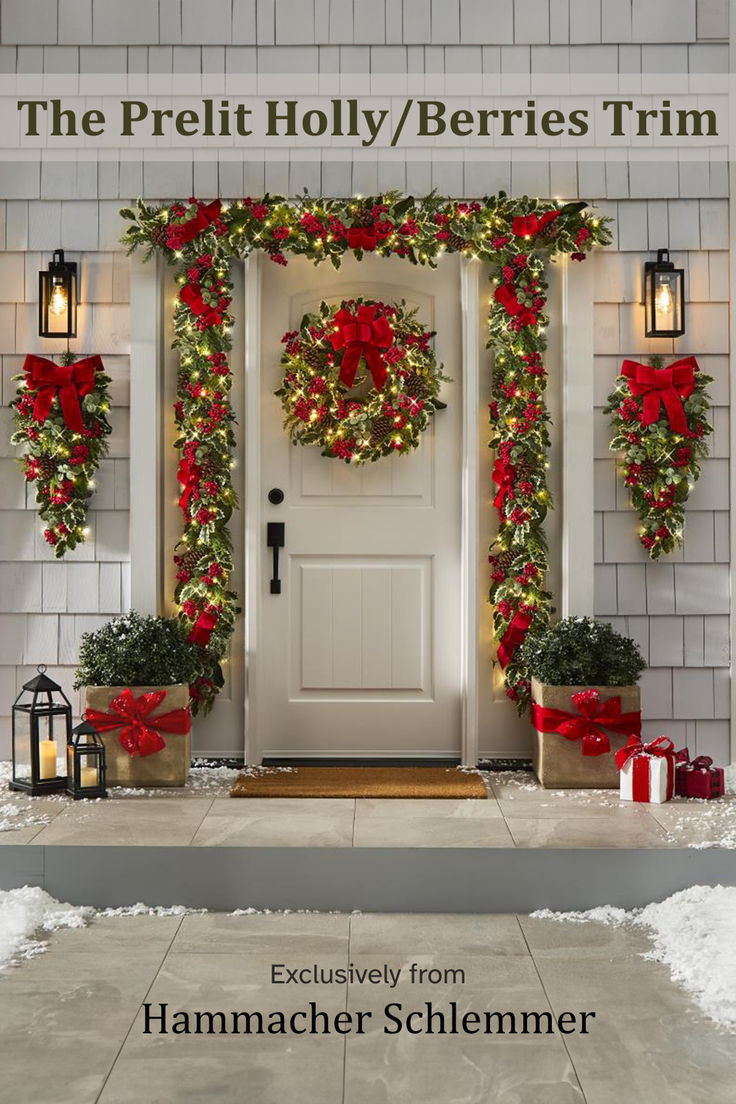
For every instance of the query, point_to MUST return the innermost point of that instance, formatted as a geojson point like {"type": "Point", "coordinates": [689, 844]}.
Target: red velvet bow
{"type": "Point", "coordinates": [503, 475]}
{"type": "Point", "coordinates": [191, 294]}
{"type": "Point", "coordinates": [363, 334]}
{"type": "Point", "coordinates": [589, 722]}
{"type": "Point", "coordinates": [662, 746]}
{"type": "Point", "coordinates": [362, 237]}
{"type": "Point", "coordinates": [526, 226]}
{"type": "Point", "coordinates": [70, 381]}
{"type": "Point", "coordinates": [508, 299]}
{"type": "Point", "coordinates": [188, 474]}
{"type": "Point", "coordinates": [513, 637]}
{"type": "Point", "coordinates": [701, 762]}
{"type": "Point", "coordinates": [203, 628]}
{"type": "Point", "coordinates": [207, 213]}
{"type": "Point", "coordinates": [667, 386]}
{"type": "Point", "coordinates": [140, 733]}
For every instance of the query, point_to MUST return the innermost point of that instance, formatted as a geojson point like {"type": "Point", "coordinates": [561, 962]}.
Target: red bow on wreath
{"type": "Point", "coordinates": [363, 334]}
{"type": "Point", "coordinates": [203, 628]}
{"type": "Point", "coordinates": [140, 733]}
{"type": "Point", "coordinates": [191, 294]}
{"type": "Point", "coordinates": [362, 237]}
{"type": "Point", "coordinates": [526, 226]}
{"type": "Point", "coordinates": [589, 723]}
{"type": "Point", "coordinates": [188, 474]}
{"type": "Point", "coordinates": [70, 381]}
{"type": "Point", "coordinates": [503, 476]}
{"type": "Point", "coordinates": [508, 299]}
{"type": "Point", "coordinates": [668, 386]}
{"type": "Point", "coordinates": [513, 638]}
{"type": "Point", "coordinates": [207, 213]}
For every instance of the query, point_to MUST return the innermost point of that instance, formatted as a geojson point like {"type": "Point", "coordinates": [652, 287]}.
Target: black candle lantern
{"type": "Point", "coordinates": [57, 298]}
{"type": "Point", "coordinates": [86, 769]}
{"type": "Point", "coordinates": [42, 726]}
{"type": "Point", "coordinates": [664, 297]}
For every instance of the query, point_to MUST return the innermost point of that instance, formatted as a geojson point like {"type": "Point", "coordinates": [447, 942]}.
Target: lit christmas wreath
{"type": "Point", "coordinates": [321, 362]}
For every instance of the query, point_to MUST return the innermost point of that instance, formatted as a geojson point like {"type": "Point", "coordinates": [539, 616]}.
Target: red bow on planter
{"type": "Point", "coordinates": [589, 722]}
{"type": "Point", "coordinates": [207, 213]}
{"type": "Point", "coordinates": [363, 334]}
{"type": "Point", "coordinates": [188, 474]}
{"type": "Point", "coordinates": [513, 637]}
{"type": "Point", "coordinates": [508, 299]}
{"type": "Point", "coordinates": [526, 226]}
{"type": "Point", "coordinates": [70, 381]}
{"type": "Point", "coordinates": [662, 747]}
{"type": "Point", "coordinates": [362, 237]}
{"type": "Point", "coordinates": [140, 734]}
{"type": "Point", "coordinates": [503, 475]}
{"type": "Point", "coordinates": [668, 386]}
{"type": "Point", "coordinates": [203, 628]}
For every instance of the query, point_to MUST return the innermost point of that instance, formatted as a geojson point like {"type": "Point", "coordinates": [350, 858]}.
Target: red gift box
{"type": "Point", "coordinates": [698, 777]}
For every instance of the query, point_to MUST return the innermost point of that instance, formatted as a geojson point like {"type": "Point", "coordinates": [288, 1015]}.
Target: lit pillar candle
{"type": "Point", "coordinates": [47, 759]}
{"type": "Point", "coordinates": [88, 776]}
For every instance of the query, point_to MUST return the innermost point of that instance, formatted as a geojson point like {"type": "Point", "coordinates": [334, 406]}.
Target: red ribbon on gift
{"type": "Point", "coordinates": [188, 474]}
{"type": "Point", "coordinates": [140, 733]}
{"type": "Point", "coordinates": [362, 237]}
{"type": "Point", "coordinates": [527, 226]}
{"type": "Point", "coordinates": [663, 748]}
{"type": "Point", "coordinates": [191, 294]}
{"type": "Point", "coordinates": [71, 382]}
{"type": "Point", "coordinates": [665, 386]}
{"type": "Point", "coordinates": [503, 475]}
{"type": "Point", "coordinates": [590, 723]}
{"type": "Point", "coordinates": [363, 334]}
{"type": "Point", "coordinates": [203, 628]}
{"type": "Point", "coordinates": [513, 638]}
{"type": "Point", "coordinates": [207, 213]}
{"type": "Point", "coordinates": [508, 299]}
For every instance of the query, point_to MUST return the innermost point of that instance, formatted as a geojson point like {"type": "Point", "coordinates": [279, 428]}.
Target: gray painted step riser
{"type": "Point", "coordinates": [369, 879]}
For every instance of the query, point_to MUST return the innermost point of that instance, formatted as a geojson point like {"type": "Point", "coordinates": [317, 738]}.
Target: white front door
{"type": "Point", "coordinates": [360, 653]}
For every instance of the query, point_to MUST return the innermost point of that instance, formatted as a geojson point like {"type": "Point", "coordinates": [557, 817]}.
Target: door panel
{"type": "Point", "coordinates": [360, 653]}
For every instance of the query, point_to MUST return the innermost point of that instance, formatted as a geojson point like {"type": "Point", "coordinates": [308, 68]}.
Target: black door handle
{"type": "Point", "coordinates": [275, 539]}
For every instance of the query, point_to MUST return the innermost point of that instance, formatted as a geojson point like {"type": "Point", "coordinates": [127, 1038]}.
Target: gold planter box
{"type": "Point", "coordinates": [168, 767]}
{"type": "Point", "coordinates": [558, 762]}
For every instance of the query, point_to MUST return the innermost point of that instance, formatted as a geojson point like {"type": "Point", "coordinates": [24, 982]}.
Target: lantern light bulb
{"type": "Point", "coordinates": [59, 302]}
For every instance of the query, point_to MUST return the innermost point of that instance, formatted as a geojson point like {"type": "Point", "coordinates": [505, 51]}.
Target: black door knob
{"type": "Point", "coordinates": [275, 496]}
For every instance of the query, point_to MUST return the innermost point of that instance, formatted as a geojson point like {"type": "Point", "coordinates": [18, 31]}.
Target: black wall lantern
{"type": "Point", "coordinates": [664, 297]}
{"type": "Point", "coordinates": [42, 726]}
{"type": "Point", "coordinates": [57, 298]}
{"type": "Point", "coordinates": [86, 768]}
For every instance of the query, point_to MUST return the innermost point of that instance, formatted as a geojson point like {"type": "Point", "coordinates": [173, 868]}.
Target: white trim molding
{"type": "Point", "coordinates": [469, 627]}
{"type": "Point", "coordinates": [252, 500]}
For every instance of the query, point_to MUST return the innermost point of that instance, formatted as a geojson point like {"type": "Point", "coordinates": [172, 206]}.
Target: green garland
{"type": "Point", "coordinates": [513, 235]}
{"type": "Point", "coordinates": [659, 464]}
{"type": "Point", "coordinates": [61, 461]}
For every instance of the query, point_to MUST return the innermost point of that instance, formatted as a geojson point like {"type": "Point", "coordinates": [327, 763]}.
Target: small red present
{"type": "Point", "coordinates": [698, 777]}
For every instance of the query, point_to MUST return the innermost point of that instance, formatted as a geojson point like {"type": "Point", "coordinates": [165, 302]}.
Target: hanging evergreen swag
{"type": "Point", "coordinates": [659, 421]}
{"type": "Point", "coordinates": [513, 235]}
{"type": "Point", "coordinates": [60, 414]}
{"type": "Point", "coordinates": [321, 364]}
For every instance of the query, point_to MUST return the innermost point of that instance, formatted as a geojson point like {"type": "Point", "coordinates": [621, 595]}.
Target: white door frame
{"type": "Point", "coordinates": [577, 477]}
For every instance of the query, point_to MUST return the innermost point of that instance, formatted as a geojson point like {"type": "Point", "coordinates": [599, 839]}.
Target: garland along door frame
{"type": "Point", "coordinates": [482, 699]}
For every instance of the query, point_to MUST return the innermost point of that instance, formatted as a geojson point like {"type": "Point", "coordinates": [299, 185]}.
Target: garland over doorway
{"type": "Point", "coordinates": [515, 236]}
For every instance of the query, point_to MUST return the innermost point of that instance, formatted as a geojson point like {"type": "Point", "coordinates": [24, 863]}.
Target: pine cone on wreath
{"type": "Point", "coordinates": [454, 241]}
{"type": "Point", "coordinates": [415, 385]}
{"type": "Point", "coordinates": [505, 560]}
{"type": "Point", "coordinates": [209, 468]}
{"type": "Point", "coordinates": [159, 234]}
{"type": "Point", "coordinates": [523, 470]}
{"type": "Point", "coordinates": [381, 428]}
{"type": "Point", "coordinates": [649, 471]}
{"type": "Point", "coordinates": [313, 356]}
{"type": "Point", "coordinates": [189, 561]}
{"type": "Point", "coordinates": [46, 467]}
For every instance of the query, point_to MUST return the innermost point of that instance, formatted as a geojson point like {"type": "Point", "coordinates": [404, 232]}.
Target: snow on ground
{"type": "Point", "coordinates": [693, 933]}
{"type": "Point", "coordinates": [25, 913]}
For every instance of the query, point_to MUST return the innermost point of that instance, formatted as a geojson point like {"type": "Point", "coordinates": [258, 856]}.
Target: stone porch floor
{"type": "Point", "coordinates": [518, 814]}
{"type": "Point", "coordinates": [71, 1019]}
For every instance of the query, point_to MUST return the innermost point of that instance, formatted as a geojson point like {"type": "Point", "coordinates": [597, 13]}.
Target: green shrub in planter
{"type": "Point", "coordinates": [138, 651]}
{"type": "Point", "coordinates": [569, 657]}
{"type": "Point", "coordinates": [581, 652]}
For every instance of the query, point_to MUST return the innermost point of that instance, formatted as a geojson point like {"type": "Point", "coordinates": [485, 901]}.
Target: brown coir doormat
{"type": "Point", "coordinates": [424, 782]}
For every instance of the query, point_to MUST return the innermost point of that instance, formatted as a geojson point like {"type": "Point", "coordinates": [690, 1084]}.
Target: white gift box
{"type": "Point", "coordinates": [647, 778]}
